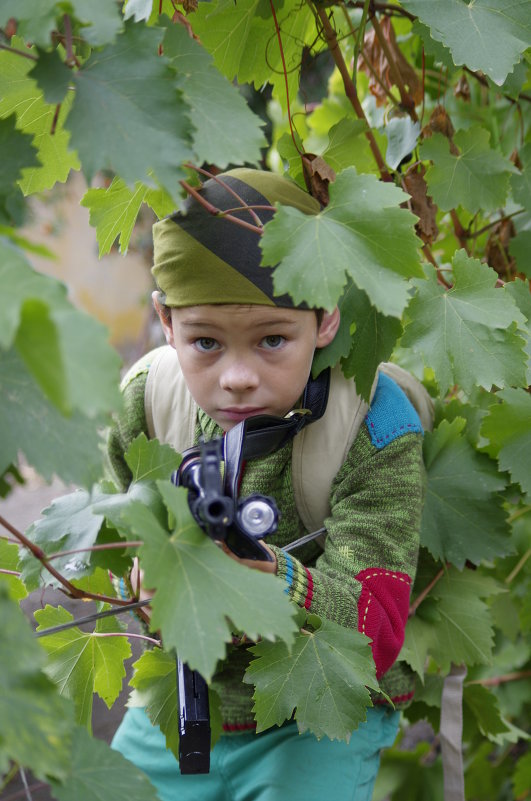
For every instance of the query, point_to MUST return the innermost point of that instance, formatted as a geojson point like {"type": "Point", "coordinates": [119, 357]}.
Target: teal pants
{"type": "Point", "coordinates": [278, 765]}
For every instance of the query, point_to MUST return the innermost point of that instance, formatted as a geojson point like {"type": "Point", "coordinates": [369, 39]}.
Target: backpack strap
{"type": "Point", "coordinates": [172, 418]}
{"type": "Point", "coordinates": [320, 450]}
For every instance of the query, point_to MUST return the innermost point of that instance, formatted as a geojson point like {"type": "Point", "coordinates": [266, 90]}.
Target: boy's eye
{"type": "Point", "coordinates": [273, 341]}
{"type": "Point", "coordinates": [206, 344]}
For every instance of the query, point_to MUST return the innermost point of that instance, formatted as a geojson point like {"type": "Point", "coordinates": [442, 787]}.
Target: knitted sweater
{"type": "Point", "coordinates": [363, 578]}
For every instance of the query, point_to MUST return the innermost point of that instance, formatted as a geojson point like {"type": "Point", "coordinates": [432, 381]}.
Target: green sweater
{"type": "Point", "coordinates": [363, 577]}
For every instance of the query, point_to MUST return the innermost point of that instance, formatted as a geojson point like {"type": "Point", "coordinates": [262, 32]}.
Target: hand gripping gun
{"type": "Point", "coordinates": [241, 524]}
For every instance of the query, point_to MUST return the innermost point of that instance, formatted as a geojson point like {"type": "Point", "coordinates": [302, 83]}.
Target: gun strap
{"type": "Point", "coordinates": [264, 434]}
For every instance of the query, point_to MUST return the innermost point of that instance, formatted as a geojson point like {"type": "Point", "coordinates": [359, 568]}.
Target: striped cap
{"type": "Point", "coordinates": [201, 258]}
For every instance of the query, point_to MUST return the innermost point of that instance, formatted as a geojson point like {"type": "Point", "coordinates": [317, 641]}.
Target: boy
{"type": "Point", "coordinates": [244, 352]}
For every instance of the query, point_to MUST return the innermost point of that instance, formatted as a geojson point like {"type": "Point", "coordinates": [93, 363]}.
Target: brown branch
{"type": "Point", "coordinates": [39, 554]}
{"type": "Point", "coordinates": [22, 793]}
{"type": "Point", "coordinates": [407, 101]}
{"type": "Point", "coordinates": [388, 8]}
{"type": "Point", "coordinates": [108, 546]}
{"type": "Point", "coordinates": [18, 52]}
{"type": "Point", "coordinates": [495, 681]}
{"type": "Point", "coordinates": [426, 591]}
{"type": "Point", "coordinates": [350, 90]}
{"type": "Point", "coordinates": [472, 235]}
{"type": "Point", "coordinates": [218, 212]}
{"type": "Point", "coordinates": [459, 231]}
{"type": "Point", "coordinates": [71, 60]}
{"type": "Point", "coordinates": [431, 258]}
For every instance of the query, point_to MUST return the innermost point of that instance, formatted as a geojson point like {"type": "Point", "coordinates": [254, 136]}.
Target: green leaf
{"type": "Point", "coordinates": [477, 178]}
{"type": "Point", "coordinates": [467, 333]}
{"type": "Point", "coordinates": [463, 633]}
{"type": "Point", "coordinates": [9, 562]}
{"type": "Point", "coordinates": [83, 663]}
{"type": "Point", "coordinates": [36, 24]}
{"type": "Point", "coordinates": [345, 144]}
{"type": "Point", "coordinates": [68, 523]}
{"type": "Point", "coordinates": [199, 589]}
{"type": "Point", "coordinates": [125, 97]}
{"type": "Point", "coordinates": [486, 35]}
{"type": "Point", "coordinates": [361, 234]}
{"type": "Point", "coordinates": [20, 94]}
{"type": "Point", "coordinates": [35, 723]}
{"type": "Point", "coordinates": [55, 445]}
{"type": "Point", "coordinates": [484, 706]}
{"type": "Point", "coordinates": [519, 248]}
{"type": "Point", "coordinates": [402, 136]}
{"type": "Point", "coordinates": [13, 141]}
{"type": "Point", "coordinates": [100, 21]}
{"type": "Point", "coordinates": [521, 183]}
{"type": "Point", "coordinates": [519, 292]}
{"type": "Point", "coordinates": [52, 76]}
{"type": "Point", "coordinates": [52, 339]}
{"type": "Point", "coordinates": [148, 460]}
{"type": "Point", "coordinates": [462, 519]}
{"type": "Point", "coordinates": [98, 773]}
{"type": "Point", "coordinates": [225, 129]}
{"type": "Point", "coordinates": [243, 41]}
{"type": "Point", "coordinates": [323, 679]}
{"type": "Point", "coordinates": [508, 430]}
{"type": "Point", "coordinates": [155, 688]}
{"type": "Point", "coordinates": [113, 213]}
{"type": "Point", "coordinates": [522, 775]}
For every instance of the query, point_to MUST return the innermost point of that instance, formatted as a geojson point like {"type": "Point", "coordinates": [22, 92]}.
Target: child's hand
{"type": "Point", "coordinates": [254, 564]}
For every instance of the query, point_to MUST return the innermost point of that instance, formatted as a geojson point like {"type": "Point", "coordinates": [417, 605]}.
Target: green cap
{"type": "Point", "coordinates": [202, 258]}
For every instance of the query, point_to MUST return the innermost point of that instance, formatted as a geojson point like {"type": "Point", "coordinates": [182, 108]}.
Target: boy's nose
{"type": "Point", "coordinates": [238, 376]}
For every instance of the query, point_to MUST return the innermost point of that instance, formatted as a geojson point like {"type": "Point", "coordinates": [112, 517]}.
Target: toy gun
{"type": "Point", "coordinates": [240, 524]}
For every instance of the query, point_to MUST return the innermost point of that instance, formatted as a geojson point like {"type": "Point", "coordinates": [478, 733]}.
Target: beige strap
{"type": "Point", "coordinates": [417, 394]}
{"type": "Point", "coordinates": [171, 412]}
{"type": "Point", "coordinates": [451, 734]}
{"type": "Point", "coordinates": [320, 449]}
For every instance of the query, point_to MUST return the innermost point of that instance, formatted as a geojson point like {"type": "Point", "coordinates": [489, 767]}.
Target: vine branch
{"type": "Point", "coordinates": [407, 101]}
{"type": "Point", "coordinates": [426, 591]}
{"type": "Point", "coordinates": [350, 90]}
{"type": "Point", "coordinates": [18, 52]}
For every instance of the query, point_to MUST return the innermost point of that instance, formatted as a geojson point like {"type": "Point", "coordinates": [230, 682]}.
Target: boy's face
{"type": "Point", "coordinates": [241, 361]}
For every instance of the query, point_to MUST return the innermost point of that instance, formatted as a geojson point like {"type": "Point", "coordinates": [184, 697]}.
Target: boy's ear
{"type": "Point", "coordinates": [164, 317]}
{"type": "Point", "coordinates": [328, 328]}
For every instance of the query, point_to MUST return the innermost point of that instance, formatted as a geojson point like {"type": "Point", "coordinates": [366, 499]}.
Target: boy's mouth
{"type": "Point", "coordinates": [241, 412]}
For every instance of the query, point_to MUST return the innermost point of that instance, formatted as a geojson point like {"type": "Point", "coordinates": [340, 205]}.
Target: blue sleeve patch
{"type": "Point", "coordinates": [391, 414]}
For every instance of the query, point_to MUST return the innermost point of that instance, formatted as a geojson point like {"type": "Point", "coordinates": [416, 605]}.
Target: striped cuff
{"type": "Point", "coordinates": [299, 580]}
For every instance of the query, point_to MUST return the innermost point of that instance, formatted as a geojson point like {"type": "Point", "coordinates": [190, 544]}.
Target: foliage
{"type": "Point", "coordinates": [411, 124]}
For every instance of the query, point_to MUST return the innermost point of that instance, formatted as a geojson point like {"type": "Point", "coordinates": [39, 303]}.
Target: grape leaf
{"type": "Point", "coordinates": [467, 334]}
{"type": "Point", "coordinates": [20, 144]}
{"type": "Point", "coordinates": [35, 723]}
{"type": "Point", "coordinates": [462, 519]}
{"type": "Point", "coordinates": [463, 633]}
{"type": "Point", "coordinates": [225, 129]}
{"type": "Point", "coordinates": [9, 562]}
{"type": "Point", "coordinates": [361, 234]}
{"type": "Point", "coordinates": [100, 21]}
{"type": "Point", "coordinates": [98, 773]}
{"type": "Point", "coordinates": [65, 446]}
{"type": "Point", "coordinates": [519, 292]}
{"type": "Point", "coordinates": [126, 88]}
{"type": "Point", "coordinates": [477, 178]}
{"type": "Point", "coordinates": [35, 24]}
{"type": "Point", "coordinates": [199, 588]}
{"type": "Point", "coordinates": [324, 678]}
{"type": "Point", "coordinates": [155, 688]}
{"type": "Point", "coordinates": [52, 76]}
{"type": "Point", "coordinates": [522, 775]}
{"type": "Point", "coordinates": [83, 663]}
{"type": "Point", "coordinates": [474, 32]}
{"type": "Point", "coordinates": [520, 248]}
{"type": "Point", "coordinates": [138, 9]}
{"type": "Point", "coordinates": [402, 136]}
{"type": "Point", "coordinates": [508, 430]}
{"type": "Point", "coordinates": [485, 707]}
{"type": "Point", "coordinates": [20, 94]}
{"type": "Point", "coordinates": [521, 183]}
{"type": "Point", "coordinates": [113, 213]}
{"type": "Point", "coordinates": [372, 341]}
{"type": "Point", "coordinates": [149, 460]}
{"type": "Point", "coordinates": [243, 42]}
{"type": "Point", "coordinates": [52, 339]}
{"type": "Point", "coordinates": [346, 147]}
